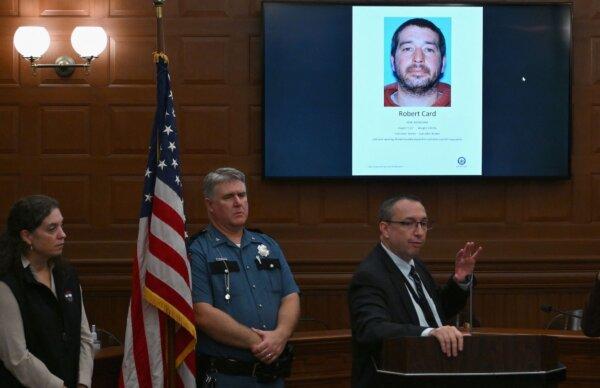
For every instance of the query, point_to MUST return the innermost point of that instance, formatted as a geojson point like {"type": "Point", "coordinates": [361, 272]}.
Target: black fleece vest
{"type": "Point", "coordinates": [52, 324]}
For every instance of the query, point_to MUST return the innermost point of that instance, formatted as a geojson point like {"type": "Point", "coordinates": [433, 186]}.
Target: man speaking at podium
{"type": "Point", "coordinates": [392, 294]}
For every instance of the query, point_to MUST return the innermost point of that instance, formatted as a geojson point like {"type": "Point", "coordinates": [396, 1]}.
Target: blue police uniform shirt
{"type": "Point", "coordinates": [255, 286]}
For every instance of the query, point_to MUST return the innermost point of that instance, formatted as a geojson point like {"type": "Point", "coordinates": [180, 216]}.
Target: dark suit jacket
{"type": "Point", "coordinates": [381, 308]}
{"type": "Point", "coordinates": [591, 314]}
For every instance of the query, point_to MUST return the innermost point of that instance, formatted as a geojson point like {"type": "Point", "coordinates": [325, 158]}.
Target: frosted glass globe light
{"type": "Point", "coordinates": [88, 41]}
{"type": "Point", "coordinates": [31, 41]}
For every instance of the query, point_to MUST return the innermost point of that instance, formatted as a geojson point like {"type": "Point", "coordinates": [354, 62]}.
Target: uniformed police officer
{"type": "Point", "coordinates": [246, 301]}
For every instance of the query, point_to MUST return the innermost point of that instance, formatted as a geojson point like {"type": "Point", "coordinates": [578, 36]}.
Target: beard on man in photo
{"type": "Point", "coordinates": [419, 84]}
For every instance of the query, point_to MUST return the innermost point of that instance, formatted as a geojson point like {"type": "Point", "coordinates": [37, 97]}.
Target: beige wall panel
{"type": "Point", "coordinates": [204, 129]}
{"type": "Point", "coordinates": [9, 129]}
{"type": "Point", "coordinates": [65, 130]}
{"type": "Point", "coordinates": [73, 193]}
{"type": "Point", "coordinates": [205, 59]}
{"type": "Point", "coordinates": [9, 62]}
{"type": "Point", "coordinates": [476, 203]}
{"type": "Point", "coordinates": [272, 201]}
{"type": "Point", "coordinates": [64, 7]}
{"type": "Point", "coordinates": [130, 128]}
{"type": "Point", "coordinates": [125, 199]}
{"type": "Point", "coordinates": [130, 62]}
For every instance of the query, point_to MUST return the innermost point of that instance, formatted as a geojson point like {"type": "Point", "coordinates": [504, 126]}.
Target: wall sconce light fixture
{"type": "Point", "coordinates": [33, 41]}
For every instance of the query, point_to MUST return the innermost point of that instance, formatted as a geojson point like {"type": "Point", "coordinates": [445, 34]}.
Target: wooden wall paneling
{"type": "Point", "coordinates": [255, 65]}
{"type": "Point", "coordinates": [106, 310]}
{"type": "Point", "coordinates": [9, 8]}
{"type": "Point", "coordinates": [129, 129]}
{"type": "Point", "coordinates": [255, 125]}
{"type": "Point", "coordinates": [125, 199]}
{"type": "Point", "coordinates": [205, 130]}
{"type": "Point", "coordinates": [128, 63]}
{"type": "Point", "coordinates": [74, 194]}
{"type": "Point", "coordinates": [595, 57]}
{"type": "Point", "coordinates": [324, 308]}
{"type": "Point", "coordinates": [64, 7]}
{"type": "Point", "coordinates": [9, 61]}
{"type": "Point", "coordinates": [195, 210]}
{"type": "Point", "coordinates": [276, 198]}
{"type": "Point", "coordinates": [9, 129]}
{"type": "Point", "coordinates": [481, 204]}
{"type": "Point", "coordinates": [327, 368]}
{"type": "Point", "coordinates": [65, 130]}
{"type": "Point", "coordinates": [205, 60]}
{"type": "Point", "coordinates": [549, 201]}
{"type": "Point", "coordinates": [205, 9]}
{"type": "Point", "coordinates": [345, 203]}
{"type": "Point", "coordinates": [595, 195]}
{"type": "Point", "coordinates": [9, 191]}
{"type": "Point", "coordinates": [131, 8]}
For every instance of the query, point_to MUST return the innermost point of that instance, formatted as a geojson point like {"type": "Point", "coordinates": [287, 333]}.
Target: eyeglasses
{"type": "Point", "coordinates": [412, 224]}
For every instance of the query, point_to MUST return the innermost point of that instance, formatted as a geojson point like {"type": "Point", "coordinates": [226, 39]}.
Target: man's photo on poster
{"type": "Point", "coordinates": [417, 62]}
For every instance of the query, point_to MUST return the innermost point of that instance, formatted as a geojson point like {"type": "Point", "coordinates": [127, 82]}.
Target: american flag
{"type": "Point", "coordinates": [161, 286]}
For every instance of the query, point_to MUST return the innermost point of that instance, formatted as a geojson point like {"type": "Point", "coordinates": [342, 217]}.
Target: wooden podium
{"type": "Point", "coordinates": [486, 361]}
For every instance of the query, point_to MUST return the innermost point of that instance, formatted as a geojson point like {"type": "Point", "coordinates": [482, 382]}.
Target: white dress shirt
{"type": "Point", "coordinates": [404, 267]}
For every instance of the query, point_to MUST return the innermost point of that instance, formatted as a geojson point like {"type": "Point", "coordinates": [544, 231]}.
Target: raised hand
{"type": "Point", "coordinates": [465, 261]}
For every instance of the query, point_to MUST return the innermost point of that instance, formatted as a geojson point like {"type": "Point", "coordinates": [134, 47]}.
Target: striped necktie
{"type": "Point", "coordinates": [422, 300]}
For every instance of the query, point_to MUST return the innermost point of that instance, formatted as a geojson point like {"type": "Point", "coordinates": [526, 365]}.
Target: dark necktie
{"type": "Point", "coordinates": [422, 300]}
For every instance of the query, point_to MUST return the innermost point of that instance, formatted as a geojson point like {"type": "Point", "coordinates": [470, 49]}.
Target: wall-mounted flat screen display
{"type": "Point", "coordinates": [394, 90]}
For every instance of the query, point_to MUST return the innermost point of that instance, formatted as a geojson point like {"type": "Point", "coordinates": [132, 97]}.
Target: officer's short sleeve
{"type": "Point", "coordinates": [288, 284]}
{"type": "Point", "coordinates": [201, 287]}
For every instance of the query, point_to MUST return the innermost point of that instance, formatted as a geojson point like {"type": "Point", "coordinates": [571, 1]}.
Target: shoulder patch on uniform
{"type": "Point", "coordinates": [196, 235]}
{"type": "Point", "coordinates": [256, 230]}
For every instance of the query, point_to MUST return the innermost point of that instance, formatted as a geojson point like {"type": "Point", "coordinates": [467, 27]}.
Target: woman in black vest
{"type": "Point", "coordinates": [45, 340]}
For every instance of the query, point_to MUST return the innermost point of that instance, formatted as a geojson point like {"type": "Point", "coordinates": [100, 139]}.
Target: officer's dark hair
{"type": "Point", "coordinates": [385, 210]}
{"type": "Point", "coordinates": [220, 175]}
{"type": "Point", "coordinates": [423, 23]}
{"type": "Point", "coordinates": [27, 213]}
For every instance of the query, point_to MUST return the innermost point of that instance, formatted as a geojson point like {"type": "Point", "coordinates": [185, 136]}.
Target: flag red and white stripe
{"type": "Point", "coordinates": [161, 279]}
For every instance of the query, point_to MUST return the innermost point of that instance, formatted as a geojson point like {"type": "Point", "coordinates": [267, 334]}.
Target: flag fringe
{"type": "Point", "coordinates": [176, 315]}
{"type": "Point", "coordinates": [186, 351]}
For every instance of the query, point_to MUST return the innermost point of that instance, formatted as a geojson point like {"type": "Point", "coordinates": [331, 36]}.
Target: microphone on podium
{"type": "Point", "coordinates": [549, 309]}
{"type": "Point", "coordinates": [572, 321]}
